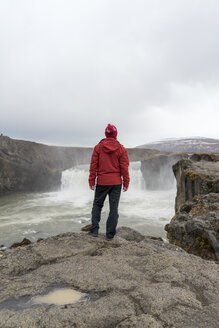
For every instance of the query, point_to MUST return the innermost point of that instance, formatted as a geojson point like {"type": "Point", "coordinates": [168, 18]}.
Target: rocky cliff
{"type": "Point", "coordinates": [195, 226]}
{"type": "Point", "coordinates": [132, 281]}
{"type": "Point", "coordinates": [30, 166]}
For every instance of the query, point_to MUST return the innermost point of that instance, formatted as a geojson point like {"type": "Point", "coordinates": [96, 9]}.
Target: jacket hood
{"type": "Point", "coordinates": [109, 145]}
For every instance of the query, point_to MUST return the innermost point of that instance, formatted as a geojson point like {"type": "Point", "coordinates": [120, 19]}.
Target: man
{"type": "Point", "coordinates": [109, 165]}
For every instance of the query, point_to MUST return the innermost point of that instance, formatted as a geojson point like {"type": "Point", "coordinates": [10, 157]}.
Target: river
{"type": "Point", "coordinates": [39, 215]}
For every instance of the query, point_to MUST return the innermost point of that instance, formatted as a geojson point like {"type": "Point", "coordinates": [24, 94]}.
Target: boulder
{"type": "Point", "coordinates": [24, 242]}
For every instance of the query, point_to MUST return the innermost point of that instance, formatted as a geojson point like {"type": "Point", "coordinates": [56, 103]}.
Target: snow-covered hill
{"type": "Point", "coordinates": [187, 145]}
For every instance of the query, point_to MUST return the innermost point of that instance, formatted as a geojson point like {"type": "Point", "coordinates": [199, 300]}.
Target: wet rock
{"type": "Point", "coordinates": [132, 281]}
{"type": "Point", "coordinates": [86, 228]}
{"type": "Point", "coordinates": [39, 240]}
{"type": "Point", "coordinates": [24, 242]}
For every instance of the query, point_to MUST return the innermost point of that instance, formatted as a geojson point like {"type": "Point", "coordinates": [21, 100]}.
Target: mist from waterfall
{"type": "Point", "coordinates": [141, 209]}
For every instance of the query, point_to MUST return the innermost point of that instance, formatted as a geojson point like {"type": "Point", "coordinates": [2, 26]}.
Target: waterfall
{"type": "Point", "coordinates": [76, 178]}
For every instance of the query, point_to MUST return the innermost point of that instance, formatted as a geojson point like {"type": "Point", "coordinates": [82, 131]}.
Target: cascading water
{"type": "Point", "coordinates": [39, 215]}
{"type": "Point", "coordinates": [74, 185]}
{"type": "Point", "coordinates": [75, 180]}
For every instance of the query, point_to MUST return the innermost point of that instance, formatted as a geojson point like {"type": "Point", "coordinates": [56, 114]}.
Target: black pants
{"type": "Point", "coordinates": [100, 195]}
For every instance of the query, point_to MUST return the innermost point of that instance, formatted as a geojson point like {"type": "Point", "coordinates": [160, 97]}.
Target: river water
{"type": "Point", "coordinates": [39, 215]}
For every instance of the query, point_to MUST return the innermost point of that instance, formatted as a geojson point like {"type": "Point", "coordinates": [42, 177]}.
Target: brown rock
{"type": "Point", "coordinates": [86, 228]}
{"type": "Point", "coordinates": [24, 242]}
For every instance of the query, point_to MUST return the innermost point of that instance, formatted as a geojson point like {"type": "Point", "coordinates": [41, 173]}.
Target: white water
{"type": "Point", "coordinates": [39, 215]}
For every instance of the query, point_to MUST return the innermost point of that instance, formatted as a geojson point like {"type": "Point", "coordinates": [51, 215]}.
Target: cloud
{"type": "Point", "coordinates": [68, 68]}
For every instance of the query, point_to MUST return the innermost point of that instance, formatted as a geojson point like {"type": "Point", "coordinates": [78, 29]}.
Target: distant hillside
{"type": "Point", "coordinates": [187, 145]}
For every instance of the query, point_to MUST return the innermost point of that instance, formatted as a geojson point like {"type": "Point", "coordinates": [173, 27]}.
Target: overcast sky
{"type": "Point", "coordinates": [68, 68]}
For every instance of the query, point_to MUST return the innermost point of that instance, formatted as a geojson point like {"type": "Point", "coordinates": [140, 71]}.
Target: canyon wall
{"type": "Point", "coordinates": [30, 166]}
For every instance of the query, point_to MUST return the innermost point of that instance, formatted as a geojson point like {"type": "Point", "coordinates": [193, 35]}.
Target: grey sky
{"type": "Point", "coordinates": [67, 68]}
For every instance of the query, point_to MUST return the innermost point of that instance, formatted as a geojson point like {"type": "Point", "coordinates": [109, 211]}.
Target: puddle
{"type": "Point", "coordinates": [59, 297]}
{"type": "Point", "coordinates": [15, 303]}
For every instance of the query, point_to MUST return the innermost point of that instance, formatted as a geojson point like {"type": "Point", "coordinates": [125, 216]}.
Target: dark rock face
{"type": "Point", "coordinates": [29, 166]}
{"type": "Point", "coordinates": [195, 227]}
{"type": "Point", "coordinates": [157, 171]}
{"type": "Point", "coordinates": [131, 281]}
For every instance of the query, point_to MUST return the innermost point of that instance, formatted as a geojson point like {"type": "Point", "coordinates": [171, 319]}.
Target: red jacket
{"type": "Point", "coordinates": [109, 162]}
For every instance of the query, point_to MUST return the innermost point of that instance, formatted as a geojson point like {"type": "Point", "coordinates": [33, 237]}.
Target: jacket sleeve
{"type": "Point", "coordinates": [124, 165]}
{"type": "Point", "coordinates": [93, 166]}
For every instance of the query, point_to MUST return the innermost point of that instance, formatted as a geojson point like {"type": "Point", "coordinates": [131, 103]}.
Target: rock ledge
{"type": "Point", "coordinates": [132, 281]}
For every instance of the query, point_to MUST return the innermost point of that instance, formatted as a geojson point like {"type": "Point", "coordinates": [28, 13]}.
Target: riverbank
{"type": "Point", "coordinates": [132, 281]}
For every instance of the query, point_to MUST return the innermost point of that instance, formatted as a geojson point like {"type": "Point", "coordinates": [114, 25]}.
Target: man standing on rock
{"type": "Point", "coordinates": [109, 165]}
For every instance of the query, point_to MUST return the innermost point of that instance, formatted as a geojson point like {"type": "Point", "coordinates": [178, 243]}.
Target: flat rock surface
{"type": "Point", "coordinates": [206, 167]}
{"type": "Point", "coordinates": [131, 281]}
